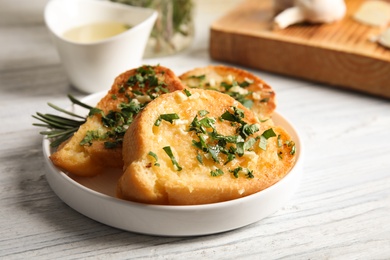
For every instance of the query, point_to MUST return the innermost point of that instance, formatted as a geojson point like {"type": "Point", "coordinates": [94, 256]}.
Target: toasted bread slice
{"type": "Point", "coordinates": [242, 85]}
{"type": "Point", "coordinates": [200, 146]}
{"type": "Point", "coordinates": [97, 144]}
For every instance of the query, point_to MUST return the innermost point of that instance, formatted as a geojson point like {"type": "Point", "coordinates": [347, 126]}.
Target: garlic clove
{"type": "Point", "coordinates": [384, 38]}
{"type": "Point", "coordinates": [373, 13]}
{"type": "Point", "coordinates": [314, 11]}
{"type": "Point", "coordinates": [288, 17]}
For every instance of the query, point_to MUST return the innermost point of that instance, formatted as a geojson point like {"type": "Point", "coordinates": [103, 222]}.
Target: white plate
{"type": "Point", "coordinates": [94, 198]}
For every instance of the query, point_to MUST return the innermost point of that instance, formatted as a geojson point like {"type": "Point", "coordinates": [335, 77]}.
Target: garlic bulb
{"type": "Point", "coordinates": [313, 11]}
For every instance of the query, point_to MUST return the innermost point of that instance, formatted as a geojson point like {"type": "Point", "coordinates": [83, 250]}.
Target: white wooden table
{"type": "Point", "coordinates": [341, 210]}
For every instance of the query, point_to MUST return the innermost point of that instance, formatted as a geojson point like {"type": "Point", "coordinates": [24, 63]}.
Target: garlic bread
{"type": "Point", "coordinates": [242, 85]}
{"type": "Point", "coordinates": [97, 145]}
{"type": "Point", "coordinates": [197, 146]}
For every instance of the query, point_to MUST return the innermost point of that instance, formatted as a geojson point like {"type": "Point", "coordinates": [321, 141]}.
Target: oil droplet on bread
{"type": "Point", "coordinates": [95, 32]}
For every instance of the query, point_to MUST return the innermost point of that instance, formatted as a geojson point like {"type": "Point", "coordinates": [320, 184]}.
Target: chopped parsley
{"type": "Point", "coordinates": [137, 92]}
{"type": "Point", "coordinates": [200, 77]}
{"type": "Point", "coordinates": [279, 141]}
{"type": "Point", "coordinates": [199, 80]}
{"type": "Point", "coordinates": [222, 148]}
{"type": "Point", "coordinates": [155, 158]}
{"type": "Point", "coordinates": [243, 98]}
{"type": "Point", "coordinates": [199, 158]}
{"type": "Point", "coordinates": [269, 133]}
{"type": "Point", "coordinates": [230, 89]}
{"type": "Point", "coordinates": [144, 81]}
{"type": "Point", "coordinates": [264, 137]}
{"type": "Point", "coordinates": [168, 151]}
{"type": "Point", "coordinates": [187, 92]}
{"type": "Point", "coordinates": [246, 130]}
{"type": "Point", "coordinates": [166, 117]}
{"type": "Point", "coordinates": [248, 173]}
{"type": "Point", "coordinates": [216, 173]}
{"type": "Point", "coordinates": [203, 112]}
{"type": "Point", "coordinates": [214, 151]}
{"type": "Point", "coordinates": [237, 116]}
{"type": "Point", "coordinates": [292, 145]}
{"type": "Point", "coordinates": [93, 111]}
{"type": "Point", "coordinates": [236, 171]}
{"type": "Point", "coordinates": [244, 84]}
{"type": "Point", "coordinates": [91, 136]}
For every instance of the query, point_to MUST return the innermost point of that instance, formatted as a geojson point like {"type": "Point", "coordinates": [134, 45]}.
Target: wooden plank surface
{"type": "Point", "coordinates": [340, 211]}
{"type": "Point", "coordinates": [338, 54]}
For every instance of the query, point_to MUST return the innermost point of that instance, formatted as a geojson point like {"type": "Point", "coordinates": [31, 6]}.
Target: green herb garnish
{"type": "Point", "coordinates": [245, 84]}
{"type": "Point", "coordinates": [203, 112]}
{"type": "Point", "coordinates": [279, 141]}
{"type": "Point", "coordinates": [242, 98]}
{"type": "Point", "coordinates": [62, 128]}
{"type": "Point", "coordinates": [226, 86]}
{"type": "Point", "coordinates": [116, 123]}
{"type": "Point", "coordinates": [168, 151]}
{"type": "Point", "coordinates": [187, 92]}
{"type": "Point", "coordinates": [236, 171]}
{"type": "Point", "coordinates": [292, 145]}
{"type": "Point", "coordinates": [250, 174]}
{"type": "Point", "coordinates": [264, 137]}
{"type": "Point", "coordinates": [166, 117]}
{"type": "Point", "coordinates": [91, 136]}
{"type": "Point", "coordinates": [200, 77]}
{"type": "Point", "coordinates": [199, 158]}
{"type": "Point", "coordinates": [216, 173]}
{"type": "Point", "coordinates": [155, 158]}
{"type": "Point", "coordinates": [246, 130]}
{"type": "Point", "coordinates": [214, 151]}
{"type": "Point", "coordinates": [221, 148]}
{"type": "Point", "coordinates": [269, 133]}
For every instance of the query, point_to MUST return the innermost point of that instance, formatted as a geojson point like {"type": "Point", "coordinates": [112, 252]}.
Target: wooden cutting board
{"type": "Point", "coordinates": [338, 54]}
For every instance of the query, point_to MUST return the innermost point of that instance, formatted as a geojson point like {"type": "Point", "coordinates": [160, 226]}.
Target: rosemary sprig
{"type": "Point", "coordinates": [60, 128]}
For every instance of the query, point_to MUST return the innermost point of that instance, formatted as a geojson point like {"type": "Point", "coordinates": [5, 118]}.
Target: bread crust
{"type": "Point", "coordinates": [92, 159]}
{"type": "Point", "coordinates": [160, 182]}
{"type": "Point", "coordinates": [256, 91]}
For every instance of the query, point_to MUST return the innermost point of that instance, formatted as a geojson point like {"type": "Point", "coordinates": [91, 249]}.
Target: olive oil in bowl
{"type": "Point", "coordinates": [94, 32]}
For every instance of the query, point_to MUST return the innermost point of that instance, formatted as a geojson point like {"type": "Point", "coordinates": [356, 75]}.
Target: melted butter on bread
{"type": "Point", "coordinates": [94, 157]}
{"type": "Point", "coordinates": [145, 181]}
{"type": "Point", "coordinates": [242, 85]}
